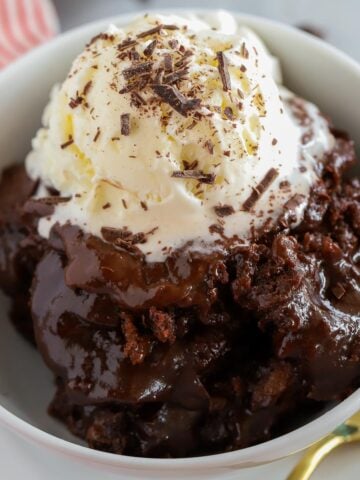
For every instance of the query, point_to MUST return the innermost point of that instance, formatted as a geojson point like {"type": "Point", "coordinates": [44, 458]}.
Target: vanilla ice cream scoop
{"type": "Point", "coordinates": [177, 126]}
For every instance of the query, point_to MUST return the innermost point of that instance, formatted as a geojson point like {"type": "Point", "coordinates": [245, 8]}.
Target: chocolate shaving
{"type": "Point", "coordinates": [229, 113]}
{"type": "Point", "coordinates": [68, 143]}
{"type": "Point", "coordinates": [157, 29]}
{"type": "Point", "coordinates": [260, 189]}
{"type": "Point", "coordinates": [223, 70]}
{"type": "Point", "coordinates": [151, 31]}
{"type": "Point", "coordinates": [75, 102]}
{"type": "Point", "coordinates": [100, 36]}
{"type": "Point", "coordinates": [106, 206]}
{"type": "Point", "coordinates": [173, 43]}
{"type": "Point", "coordinates": [111, 234]}
{"type": "Point", "coordinates": [144, 206]}
{"type": "Point", "coordinates": [128, 88]}
{"type": "Point", "coordinates": [210, 146]}
{"type": "Point", "coordinates": [149, 50]}
{"type": "Point", "coordinates": [185, 55]}
{"type": "Point", "coordinates": [137, 100]}
{"type": "Point", "coordinates": [200, 176]}
{"type": "Point", "coordinates": [224, 210]}
{"type": "Point", "coordinates": [51, 200]}
{"type": "Point", "coordinates": [190, 166]}
{"type": "Point", "coordinates": [137, 70]}
{"type": "Point", "coordinates": [97, 135]}
{"type": "Point", "coordinates": [216, 228]}
{"type": "Point", "coordinates": [289, 216]}
{"type": "Point", "coordinates": [123, 201]}
{"type": "Point", "coordinates": [168, 63]}
{"type": "Point", "coordinates": [170, 27]}
{"type": "Point", "coordinates": [125, 124]}
{"type": "Point", "coordinates": [244, 51]}
{"type": "Point", "coordinates": [159, 76]}
{"type": "Point", "coordinates": [126, 44]}
{"type": "Point", "coordinates": [171, 95]}
{"type": "Point", "coordinates": [123, 237]}
{"type": "Point", "coordinates": [128, 246]}
{"type": "Point", "coordinates": [134, 55]}
{"type": "Point", "coordinates": [87, 87]}
{"type": "Point", "coordinates": [176, 76]}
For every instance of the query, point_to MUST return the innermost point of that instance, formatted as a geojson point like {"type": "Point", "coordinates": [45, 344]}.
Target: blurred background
{"type": "Point", "coordinates": [337, 19]}
{"type": "Point", "coordinates": [25, 24]}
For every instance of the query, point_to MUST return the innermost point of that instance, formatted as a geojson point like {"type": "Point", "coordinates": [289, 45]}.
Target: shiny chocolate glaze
{"type": "Point", "coordinates": [200, 353]}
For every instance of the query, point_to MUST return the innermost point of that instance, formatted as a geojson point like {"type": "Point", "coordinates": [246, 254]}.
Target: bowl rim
{"type": "Point", "coordinates": [262, 453]}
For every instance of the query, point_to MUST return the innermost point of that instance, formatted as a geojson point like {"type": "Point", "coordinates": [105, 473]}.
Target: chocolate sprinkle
{"type": "Point", "coordinates": [260, 189]}
{"type": "Point", "coordinates": [223, 70]}
{"type": "Point", "coordinates": [144, 206]}
{"type": "Point", "coordinates": [200, 176]}
{"type": "Point", "coordinates": [171, 95]}
{"type": "Point", "coordinates": [125, 124]}
{"type": "Point", "coordinates": [224, 210]}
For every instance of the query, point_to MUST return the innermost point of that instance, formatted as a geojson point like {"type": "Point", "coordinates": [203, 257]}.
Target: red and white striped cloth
{"type": "Point", "coordinates": [25, 24]}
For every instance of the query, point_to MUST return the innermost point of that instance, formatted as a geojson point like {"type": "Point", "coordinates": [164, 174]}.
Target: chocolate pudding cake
{"type": "Point", "coordinates": [182, 244]}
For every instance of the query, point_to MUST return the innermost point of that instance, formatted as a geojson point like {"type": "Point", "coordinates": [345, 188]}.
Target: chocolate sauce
{"type": "Point", "coordinates": [197, 354]}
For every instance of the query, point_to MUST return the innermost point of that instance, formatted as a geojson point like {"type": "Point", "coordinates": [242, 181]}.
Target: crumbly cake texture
{"type": "Point", "coordinates": [198, 354]}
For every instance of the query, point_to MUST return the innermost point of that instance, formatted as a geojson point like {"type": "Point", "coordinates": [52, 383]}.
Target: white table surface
{"type": "Point", "coordinates": [339, 20]}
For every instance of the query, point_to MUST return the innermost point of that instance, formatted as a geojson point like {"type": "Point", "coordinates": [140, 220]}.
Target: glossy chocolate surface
{"type": "Point", "coordinates": [198, 354]}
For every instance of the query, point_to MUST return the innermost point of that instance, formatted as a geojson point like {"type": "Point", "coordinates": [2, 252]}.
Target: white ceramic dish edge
{"type": "Point", "coordinates": [331, 60]}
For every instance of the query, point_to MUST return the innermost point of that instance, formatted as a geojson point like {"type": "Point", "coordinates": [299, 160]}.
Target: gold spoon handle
{"type": "Point", "coordinates": [315, 454]}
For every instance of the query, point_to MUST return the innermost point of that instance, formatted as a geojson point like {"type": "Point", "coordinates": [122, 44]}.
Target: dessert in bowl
{"type": "Point", "coordinates": [181, 243]}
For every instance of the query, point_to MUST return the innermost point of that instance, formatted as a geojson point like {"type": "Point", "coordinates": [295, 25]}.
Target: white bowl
{"type": "Point", "coordinates": [313, 69]}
